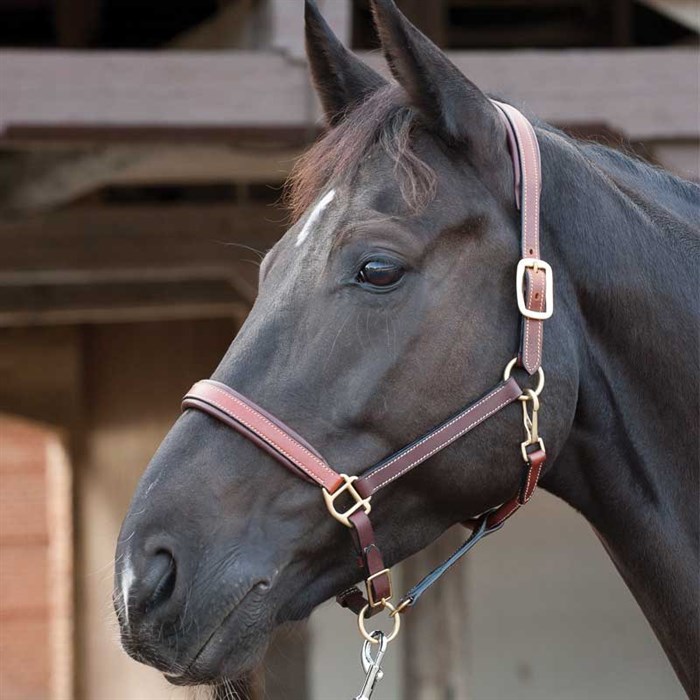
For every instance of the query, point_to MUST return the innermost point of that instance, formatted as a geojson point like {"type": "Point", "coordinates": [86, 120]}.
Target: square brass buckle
{"type": "Point", "coordinates": [348, 487]}
{"type": "Point", "coordinates": [535, 264]}
{"type": "Point", "coordinates": [373, 603]}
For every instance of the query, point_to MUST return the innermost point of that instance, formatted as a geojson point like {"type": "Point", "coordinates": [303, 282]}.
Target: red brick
{"type": "Point", "coordinates": [24, 659]}
{"type": "Point", "coordinates": [23, 514]}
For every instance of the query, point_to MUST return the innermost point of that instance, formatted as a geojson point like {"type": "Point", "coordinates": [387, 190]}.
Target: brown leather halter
{"type": "Point", "coordinates": [534, 291]}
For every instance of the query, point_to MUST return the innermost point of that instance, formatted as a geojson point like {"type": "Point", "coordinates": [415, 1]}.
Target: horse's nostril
{"type": "Point", "coordinates": [158, 581]}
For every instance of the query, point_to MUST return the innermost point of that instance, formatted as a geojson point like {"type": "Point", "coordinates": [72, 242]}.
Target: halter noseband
{"type": "Point", "coordinates": [534, 293]}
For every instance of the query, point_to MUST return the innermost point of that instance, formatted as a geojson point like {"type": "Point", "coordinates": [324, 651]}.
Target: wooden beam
{"type": "Point", "coordinates": [39, 181]}
{"type": "Point", "coordinates": [438, 671]}
{"type": "Point", "coordinates": [137, 243]}
{"type": "Point", "coordinates": [51, 305]}
{"type": "Point", "coordinates": [99, 264]}
{"type": "Point", "coordinates": [36, 180]}
{"type": "Point", "coordinates": [645, 93]}
{"type": "Point", "coordinates": [175, 94]}
{"type": "Point", "coordinates": [637, 92]}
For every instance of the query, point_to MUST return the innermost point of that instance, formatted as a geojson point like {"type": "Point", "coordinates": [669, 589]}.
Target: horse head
{"type": "Point", "coordinates": [386, 307]}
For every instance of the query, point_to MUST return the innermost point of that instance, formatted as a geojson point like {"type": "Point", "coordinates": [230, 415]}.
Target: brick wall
{"type": "Point", "coordinates": [24, 547]}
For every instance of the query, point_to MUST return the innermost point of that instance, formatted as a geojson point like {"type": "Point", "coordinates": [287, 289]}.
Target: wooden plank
{"type": "Point", "coordinates": [645, 93]}
{"type": "Point", "coordinates": [134, 263]}
{"type": "Point", "coordinates": [640, 93]}
{"type": "Point", "coordinates": [175, 92]}
{"type": "Point", "coordinates": [36, 180]}
{"type": "Point", "coordinates": [44, 305]}
{"type": "Point", "coordinates": [138, 243]}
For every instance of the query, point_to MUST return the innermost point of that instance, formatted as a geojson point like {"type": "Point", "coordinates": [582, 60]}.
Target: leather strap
{"type": "Point", "coordinates": [266, 431]}
{"type": "Point", "coordinates": [528, 182]}
{"type": "Point", "coordinates": [446, 433]}
{"type": "Point", "coordinates": [482, 526]}
{"type": "Point", "coordinates": [531, 475]}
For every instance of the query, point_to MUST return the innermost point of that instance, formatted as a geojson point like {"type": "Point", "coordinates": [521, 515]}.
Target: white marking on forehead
{"type": "Point", "coordinates": [127, 583]}
{"type": "Point", "coordinates": [313, 217]}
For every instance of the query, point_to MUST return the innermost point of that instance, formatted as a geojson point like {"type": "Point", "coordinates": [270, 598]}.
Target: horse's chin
{"type": "Point", "coordinates": [224, 659]}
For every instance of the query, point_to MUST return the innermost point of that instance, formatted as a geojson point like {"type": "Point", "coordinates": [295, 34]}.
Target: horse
{"type": "Point", "coordinates": [388, 304]}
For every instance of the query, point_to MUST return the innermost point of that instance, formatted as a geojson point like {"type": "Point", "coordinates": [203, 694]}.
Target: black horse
{"type": "Point", "coordinates": [388, 306]}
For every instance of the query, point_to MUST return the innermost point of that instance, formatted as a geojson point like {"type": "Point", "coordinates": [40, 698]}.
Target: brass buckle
{"type": "Point", "coordinates": [373, 603]}
{"type": "Point", "coordinates": [360, 502]}
{"type": "Point", "coordinates": [535, 264]}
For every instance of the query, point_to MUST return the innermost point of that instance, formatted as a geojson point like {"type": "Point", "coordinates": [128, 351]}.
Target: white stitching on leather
{"type": "Point", "coordinates": [527, 240]}
{"type": "Point", "coordinates": [291, 458]}
{"type": "Point", "coordinates": [444, 444]}
{"type": "Point", "coordinates": [527, 484]}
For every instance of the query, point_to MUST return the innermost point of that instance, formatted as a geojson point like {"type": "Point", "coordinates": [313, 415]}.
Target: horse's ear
{"type": "Point", "coordinates": [446, 99]}
{"type": "Point", "coordinates": [341, 80]}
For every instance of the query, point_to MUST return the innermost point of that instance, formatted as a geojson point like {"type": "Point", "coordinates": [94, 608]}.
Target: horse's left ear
{"type": "Point", "coordinates": [447, 100]}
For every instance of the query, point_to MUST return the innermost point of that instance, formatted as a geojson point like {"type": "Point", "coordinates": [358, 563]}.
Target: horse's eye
{"type": "Point", "coordinates": [380, 273]}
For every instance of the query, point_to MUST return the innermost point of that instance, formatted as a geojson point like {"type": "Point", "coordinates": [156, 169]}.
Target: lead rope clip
{"type": "Point", "coordinates": [530, 423]}
{"type": "Point", "coordinates": [372, 664]}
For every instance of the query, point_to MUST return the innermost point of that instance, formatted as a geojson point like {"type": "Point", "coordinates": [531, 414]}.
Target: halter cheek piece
{"type": "Point", "coordinates": [534, 293]}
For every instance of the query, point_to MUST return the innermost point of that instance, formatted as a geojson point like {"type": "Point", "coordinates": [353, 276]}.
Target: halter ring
{"type": "Point", "coordinates": [394, 614]}
{"type": "Point", "coordinates": [540, 379]}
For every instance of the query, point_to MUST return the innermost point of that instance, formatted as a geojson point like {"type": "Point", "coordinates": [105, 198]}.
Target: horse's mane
{"type": "Point", "coordinates": [621, 158]}
{"type": "Point", "coordinates": [386, 121]}
{"type": "Point", "coordinates": [382, 121]}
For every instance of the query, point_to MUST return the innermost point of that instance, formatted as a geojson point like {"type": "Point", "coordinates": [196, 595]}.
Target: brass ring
{"type": "Point", "coordinates": [540, 379]}
{"type": "Point", "coordinates": [395, 616]}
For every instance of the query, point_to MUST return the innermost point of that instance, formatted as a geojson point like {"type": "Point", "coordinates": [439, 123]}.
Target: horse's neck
{"type": "Point", "coordinates": [627, 263]}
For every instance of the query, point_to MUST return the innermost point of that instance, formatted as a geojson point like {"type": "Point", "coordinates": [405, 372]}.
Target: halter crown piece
{"type": "Point", "coordinates": [534, 294]}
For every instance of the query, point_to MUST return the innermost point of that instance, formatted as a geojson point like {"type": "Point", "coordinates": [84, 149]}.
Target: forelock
{"type": "Point", "coordinates": [383, 121]}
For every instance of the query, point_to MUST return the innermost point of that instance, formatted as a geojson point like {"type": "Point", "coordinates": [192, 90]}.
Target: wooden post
{"type": "Point", "coordinates": [434, 641]}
